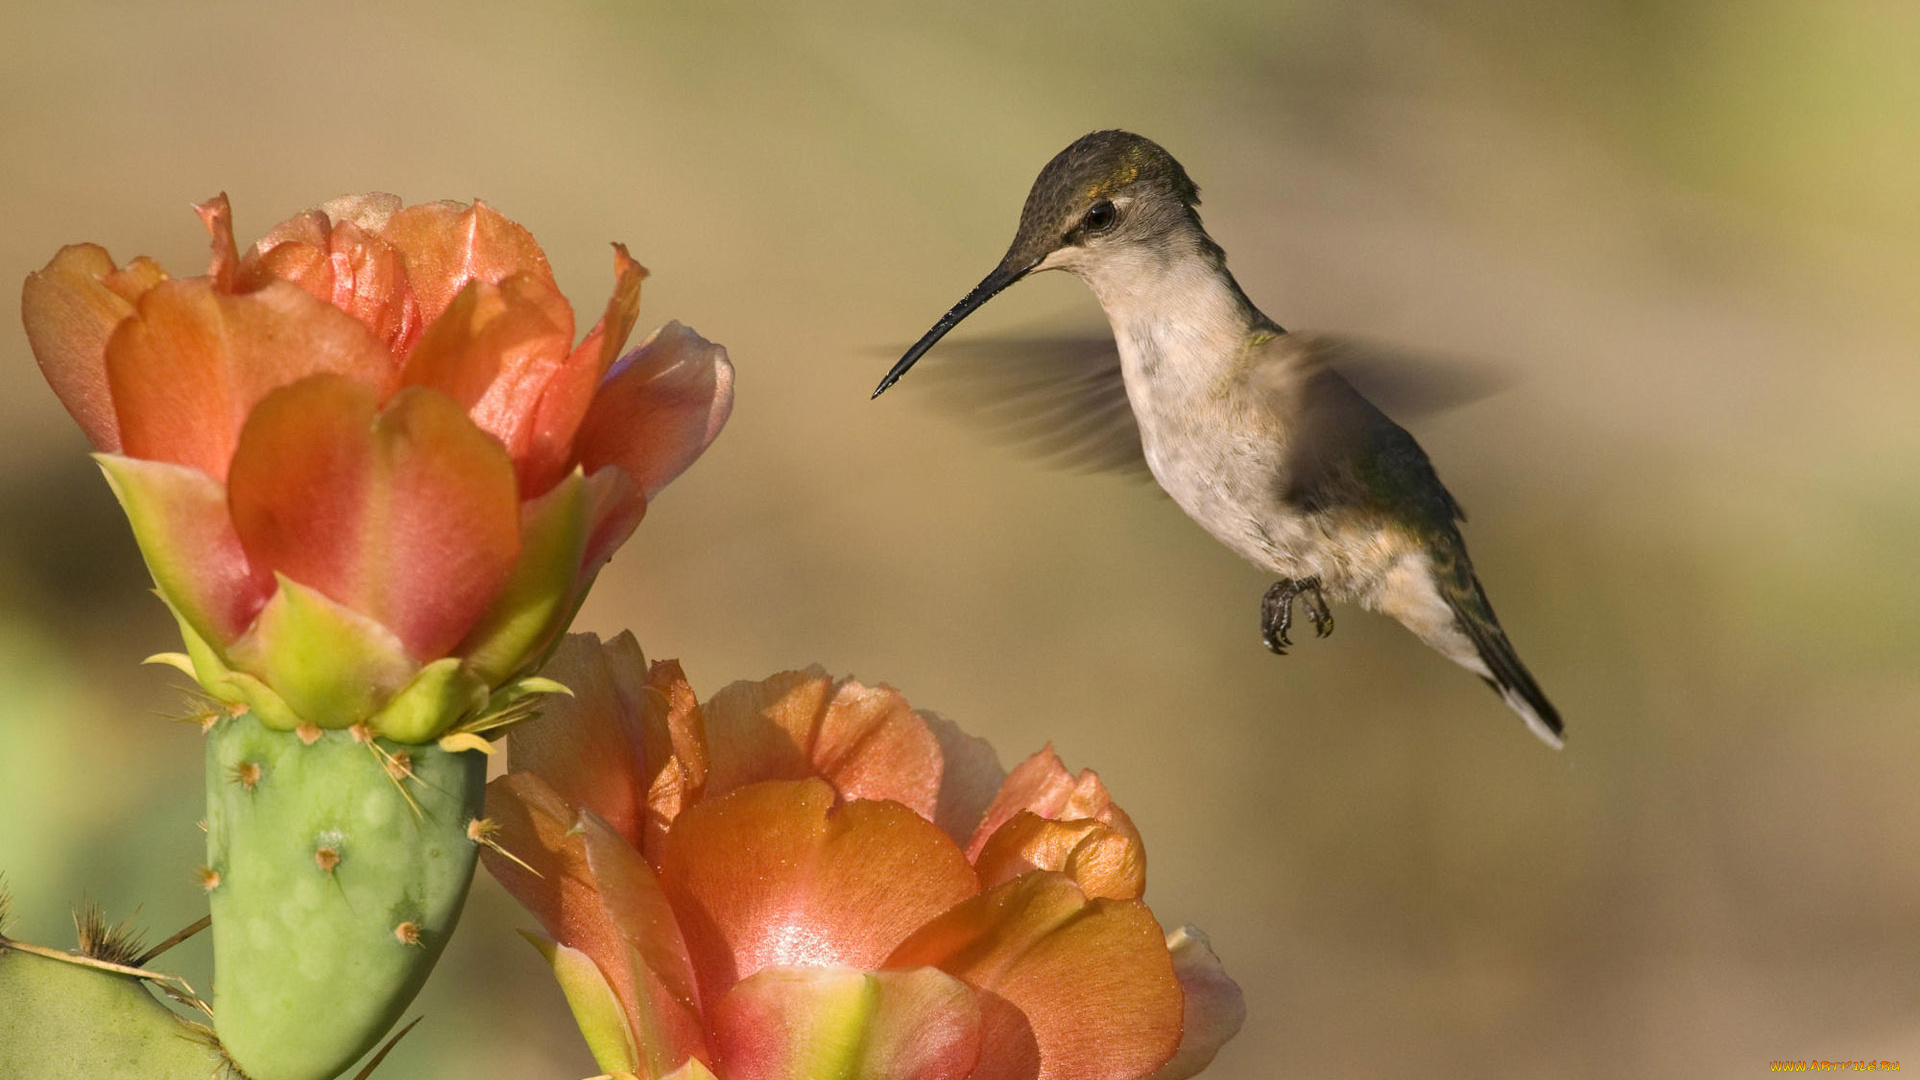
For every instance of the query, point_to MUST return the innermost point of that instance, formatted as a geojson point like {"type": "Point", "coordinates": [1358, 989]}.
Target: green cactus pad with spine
{"type": "Point", "coordinates": [339, 879]}
{"type": "Point", "coordinates": [63, 1021]}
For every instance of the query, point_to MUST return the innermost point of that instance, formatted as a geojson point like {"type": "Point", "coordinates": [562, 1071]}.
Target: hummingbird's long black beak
{"type": "Point", "coordinates": [1003, 275]}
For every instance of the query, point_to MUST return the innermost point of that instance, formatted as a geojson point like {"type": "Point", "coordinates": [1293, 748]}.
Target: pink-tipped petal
{"type": "Point", "coordinates": [770, 875]}
{"type": "Point", "coordinates": [867, 742]}
{"type": "Point", "coordinates": [179, 517]}
{"type": "Point", "coordinates": [1071, 988]}
{"type": "Point", "coordinates": [792, 1022]}
{"type": "Point", "coordinates": [563, 405]}
{"type": "Point", "coordinates": [407, 514]}
{"type": "Point", "coordinates": [659, 408]}
{"type": "Point", "coordinates": [70, 308]}
{"type": "Point", "coordinates": [447, 244]}
{"type": "Point", "coordinates": [494, 350]}
{"type": "Point", "coordinates": [191, 363]}
{"type": "Point", "coordinates": [1214, 1007]}
{"type": "Point", "coordinates": [614, 509]}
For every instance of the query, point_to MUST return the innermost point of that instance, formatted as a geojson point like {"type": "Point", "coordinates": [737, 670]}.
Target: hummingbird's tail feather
{"type": "Point", "coordinates": [1436, 595]}
{"type": "Point", "coordinates": [1500, 666]}
{"type": "Point", "coordinates": [1504, 669]}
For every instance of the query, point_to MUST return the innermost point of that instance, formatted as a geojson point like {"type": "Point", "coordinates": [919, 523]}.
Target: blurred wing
{"type": "Point", "coordinates": [1402, 382]}
{"type": "Point", "coordinates": [1060, 399]}
{"type": "Point", "coordinates": [1345, 451]}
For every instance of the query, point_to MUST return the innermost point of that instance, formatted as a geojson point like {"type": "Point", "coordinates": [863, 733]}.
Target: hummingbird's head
{"type": "Point", "coordinates": [1106, 196]}
{"type": "Point", "coordinates": [1106, 204]}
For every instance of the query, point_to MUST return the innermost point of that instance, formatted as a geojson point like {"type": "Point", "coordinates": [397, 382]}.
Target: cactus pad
{"type": "Point", "coordinates": [66, 1021]}
{"type": "Point", "coordinates": [337, 864]}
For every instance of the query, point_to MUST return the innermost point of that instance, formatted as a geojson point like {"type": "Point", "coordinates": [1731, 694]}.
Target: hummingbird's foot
{"type": "Point", "coordinates": [1318, 613]}
{"type": "Point", "coordinates": [1277, 612]}
{"type": "Point", "coordinates": [1276, 615]}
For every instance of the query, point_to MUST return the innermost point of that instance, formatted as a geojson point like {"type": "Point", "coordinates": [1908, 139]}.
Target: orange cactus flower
{"type": "Point", "coordinates": [368, 466]}
{"type": "Point", "coordinates": [806, 877]}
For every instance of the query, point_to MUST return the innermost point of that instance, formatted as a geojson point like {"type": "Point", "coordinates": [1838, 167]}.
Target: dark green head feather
{"type": "Point", "coordinates": [1155, 196]}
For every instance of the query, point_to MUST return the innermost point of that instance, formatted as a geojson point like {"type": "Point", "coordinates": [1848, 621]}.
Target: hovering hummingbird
{"type": "Point", "coordinates": [1252, 430]}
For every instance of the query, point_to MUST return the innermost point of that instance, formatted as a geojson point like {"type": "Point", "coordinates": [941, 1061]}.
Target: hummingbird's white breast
{"type": "Point", "coordinates": [1215, 425]}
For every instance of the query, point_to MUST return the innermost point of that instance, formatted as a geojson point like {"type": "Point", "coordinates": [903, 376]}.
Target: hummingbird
{"type": "Point", "coordinates": [1252, 430]}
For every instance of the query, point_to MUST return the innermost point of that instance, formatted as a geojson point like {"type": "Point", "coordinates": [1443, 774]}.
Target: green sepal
{"type": "Point", "coordinates": [595, 1008]}
{"type": "Point", "coordinates": [331, 665]}
{"type": "Point", "coordinates": [222, 682]}
{"type": "Point", "coordinates": [175, 512]}
{"type": "Point", "coordinates": [439, 697]}
{"type": "Point", "coordinates": [538, 600]}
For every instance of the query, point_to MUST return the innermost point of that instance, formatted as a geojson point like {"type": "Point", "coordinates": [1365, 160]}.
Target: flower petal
{"type": "Point", "coordinates": [766, 876]}
{"type": "Point", "coordinates": [970, 776]}
{"type": "Point", "coordinates": [494, 350]}
{"type": "Point", "coordinates": [615, 509]}
{"type": "Point", "coordinates": [838, 1022]}
{"type": "Point", "coordinates": [587, 745]}
{"type": "Point", "coordinates": [867, 742]}
{"type": "Point", "coordinates": [70, 308]}
{"type": "Point", "coordinates": [665, 1018]}
{"type": "Point", "coordinates": [599, 916]}
{"type": "Point", "coordinates": [694, 1069]}
{"type": "Point", "coordinates": [563, 405]}
{"type": "Point", "coordinates": [1101, 860]}
{"type": "Point", "coordinates": [224, 261]}
{"type": "Point", "coordinates": [179, 517]}
{"type": "Point", "coordinates": [1214, 1007]}
{"type": "Point", "coordinates": [335, 254]}
{"type": "Point", "coordinates": [542, 860]}
{"type": "Point", "coordinates": [1042, 784]}
{"type": "Point", "coordinates": [674, 727]}
{"type": "Point", "coordinates": [1071, 988]}
{"type": "Point", "coordinates": [596, 1009]}
{"type": "Point", "coordinates": [447, 244]}
{"type": "Point", "coordinates": [192, 362]}
{"type": "Point", "coordinates": [407, 514]}
{"type": "Point", "coordinates": [659, 408]}
{"type": "Point", "coordinates": [332, 665]}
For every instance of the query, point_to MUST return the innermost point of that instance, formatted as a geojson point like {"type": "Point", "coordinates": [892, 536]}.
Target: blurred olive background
{"type": "Point", "coordinates": [1689, 231]}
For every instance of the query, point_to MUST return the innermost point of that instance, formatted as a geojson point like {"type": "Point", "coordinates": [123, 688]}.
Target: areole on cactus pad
{"type": "Point", "coordinates": [373, 476]}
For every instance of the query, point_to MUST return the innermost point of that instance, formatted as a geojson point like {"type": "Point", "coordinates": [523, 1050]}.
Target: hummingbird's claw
{"type": "Point", "coordinates": [1318, 613]}
{"type": "Point", "coordinates": [1276, 611]}
{"type": "Point", "coordinates": [1276, 615]}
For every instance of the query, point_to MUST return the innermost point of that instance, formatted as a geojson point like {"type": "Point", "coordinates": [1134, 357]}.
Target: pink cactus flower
{"type": "Point", "coordinates": [370, 469]}
{"type": "Point", "coordinates": [806, 877]}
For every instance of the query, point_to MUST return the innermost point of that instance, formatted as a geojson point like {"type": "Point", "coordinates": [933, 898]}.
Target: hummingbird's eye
{"type": "Point", "coordinates": [1100, 217]}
